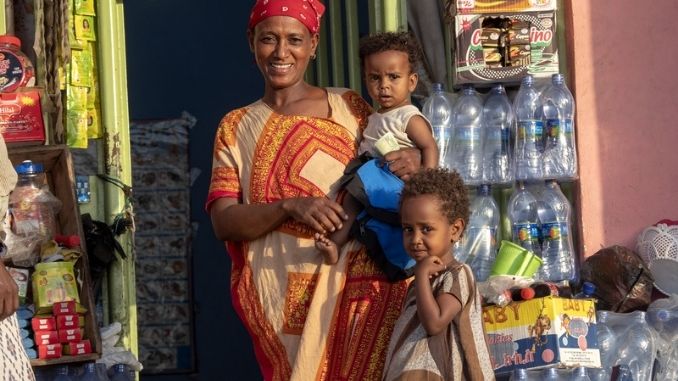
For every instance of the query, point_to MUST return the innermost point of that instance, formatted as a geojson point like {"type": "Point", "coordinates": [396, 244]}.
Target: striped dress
{"type": "Point", "coordinates": [458, 353]}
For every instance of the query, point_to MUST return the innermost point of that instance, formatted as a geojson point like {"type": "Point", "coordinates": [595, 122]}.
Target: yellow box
{"type": "Point", "coordinates": [542, 332]}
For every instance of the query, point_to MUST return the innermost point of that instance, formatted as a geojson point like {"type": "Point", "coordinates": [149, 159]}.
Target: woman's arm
{"type": "Point", "coordinates": [237, 222]}
{"type": "Point", "coordinates": [435, 313]}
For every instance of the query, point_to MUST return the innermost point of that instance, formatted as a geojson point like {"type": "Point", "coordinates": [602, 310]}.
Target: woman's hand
{"type": "Point", "coordinates": [320, 213]}
{"type": "Point", "coordinates": [404, 162]}
{"type": "Point", "coordinates": [429, 268]}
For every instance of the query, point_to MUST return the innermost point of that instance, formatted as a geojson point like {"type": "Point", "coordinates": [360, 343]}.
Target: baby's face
{"type": "Point", "coordinates": [389, 79]}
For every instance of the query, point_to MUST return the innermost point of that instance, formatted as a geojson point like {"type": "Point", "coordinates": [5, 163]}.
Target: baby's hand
{"type": "Point", "coordinates": [429, 267]}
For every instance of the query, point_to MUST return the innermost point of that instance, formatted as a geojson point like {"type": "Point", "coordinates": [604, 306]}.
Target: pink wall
{"type": "Point", "coordinates": [623, 66]}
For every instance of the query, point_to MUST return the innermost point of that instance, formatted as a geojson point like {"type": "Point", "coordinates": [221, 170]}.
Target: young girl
{"type": "Point", "coordinates": [389, 61]}
{"type": "Point", "coordinates": [439, 335]}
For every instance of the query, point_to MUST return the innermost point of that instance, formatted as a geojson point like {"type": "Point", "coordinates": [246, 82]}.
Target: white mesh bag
{"type": "Point", "coordinates": [658, 246]}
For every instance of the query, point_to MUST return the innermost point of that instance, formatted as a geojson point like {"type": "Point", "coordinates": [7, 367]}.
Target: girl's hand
{"type": "Point", "coordinates": [404, 162]}
{"type": "Point", "coordinates": [429, 268]}
{"type": "Point", "coordinates": [320, 213]}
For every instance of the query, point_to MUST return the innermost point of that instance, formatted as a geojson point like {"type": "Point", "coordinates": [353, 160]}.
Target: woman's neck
{"type": "Point", "coordinates": [279, 99]}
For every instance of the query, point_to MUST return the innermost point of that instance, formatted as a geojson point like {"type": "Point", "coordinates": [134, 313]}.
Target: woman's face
{"type": "Point", "coordinates": [282, 48]}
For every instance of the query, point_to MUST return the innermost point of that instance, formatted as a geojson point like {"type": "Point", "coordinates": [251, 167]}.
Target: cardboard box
{"type": "Point", "coordinates": [46, 337]}
{"type": "Point", "coordinates": [58, 166]}
{"type": "Point", "coordinates": [21, 117]}
{"type": "Point", "coordinates": [67, 321]}
{"type": "Point", "coordinates": [542, 332]}
{"type": "Point", "coordinates": [532, 50]}
{"type": "Point", "coordinates": [49, 351]}
{"type": "Point", "coordinates": [68, 335]}
{"type": "Point", "coordinates": [81, 347]}
{"type": "Point", "coordinates": [499, 6]}
{"type": "Point", "coordinates": [46, 323]}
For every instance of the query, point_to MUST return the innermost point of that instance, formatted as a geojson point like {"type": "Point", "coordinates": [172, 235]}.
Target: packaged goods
{"type": "Point", "coordinates": [16, 70]}
{"type": "Point", "coordinates": [53, 282]}
{"type": "Point", "coordinates": [21, 117]}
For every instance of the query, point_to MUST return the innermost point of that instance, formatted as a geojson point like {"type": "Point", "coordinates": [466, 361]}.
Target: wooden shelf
{"type": "Point", "coordinates": [65, 359]}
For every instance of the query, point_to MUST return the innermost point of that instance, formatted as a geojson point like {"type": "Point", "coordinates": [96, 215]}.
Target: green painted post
{"type": "Point", "coordinates": [336, 46]}
{"type": "Point", "coordinates": [353, 59]}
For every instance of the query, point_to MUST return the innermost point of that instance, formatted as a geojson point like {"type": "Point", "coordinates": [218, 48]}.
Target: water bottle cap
{"type": "Point", "coordinates": [527, 293]}
{"type": "Point", "coordinates": [498, 88]}
{"type": "Point", "coordinates": [527, 80]}
{"type": "Point", "coordinates": [484, 189]}
{"type": "Point", "coordinates": [437, 87]}
{"type": "Point", "coordinates": [551, 372]}
{"type": "Point", "coordinates": [468, 90]}
{"type": "Point", "coordinates": [589, 288]}
{"type": "Point", "coordinates": [28, 167]}
{"type": "Point", "coordinates": [62, 370]}
{"type": "Point", "coordinates": [558, 79]}
{"type": "Point", "coordinates": [120, 368]}
{"type": "Point", "coordinates": [663, 315]}
{"type": "Point", "coordinates": [90, 367]}
{"type": "Point", "coordinates": [580, 371]}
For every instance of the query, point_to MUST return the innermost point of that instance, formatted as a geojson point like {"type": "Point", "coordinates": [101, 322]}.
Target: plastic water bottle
{"type": "Point", "coordinates": [89, 373]}
{"type": "Point", "coordinates": [519, 375]}
{"type": "Point", "coordinates": [560, 154]}
{"type": "Point", "coordinates": [480, 238]}
{"type": "Point", "coordinates": [550, 374]}
{"type": "Point", "coordinates": [607, 341]}
{"type": "Point", "coordinates": [588, 290]}
{"type": "Point", "coordinates": [438, 110]}
{"type": "Point", "coordinates": [61, 374]}
{"type": "Point", "coordinates": [467, 137]}
{"type": "Point", "coordinates": [555, 219]}
{"type": "Point", "coordinates": [120, 373]}
{"type": "Point", "coordinates": [624, 373]}
{"type": "Point", "coordinates": [580, 374]}
{"type": "Point", "coordinates": [498, 123]}
{"type": "Point", "coordinates": [522, 210]}
{"type": "Point", "coordinates": [529, 143]}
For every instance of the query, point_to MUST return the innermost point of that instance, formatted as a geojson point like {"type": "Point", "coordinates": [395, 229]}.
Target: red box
{"type": "Point", "coordinates": [43, 323]}
{"type": "Point", "coordinates": [46, 337]}
{"type": "Point", "coordinates": [68, 335]}
{"type": "Point", "coordinates": [64, 308]}
{"type": "Point", "coordinates": [81, 347]}
{"type": "Point", "coordinates": [21, 117]}
{"type": "Point", "coordinates": [49, 351]}
{"type": "Point", "coordinates": [69, 321]}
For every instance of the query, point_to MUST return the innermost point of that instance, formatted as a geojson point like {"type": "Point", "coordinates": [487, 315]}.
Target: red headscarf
{"type": "Point", "coordinates": [308, 12]}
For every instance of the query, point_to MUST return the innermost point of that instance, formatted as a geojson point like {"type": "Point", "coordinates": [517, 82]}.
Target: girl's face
{"type": "Point", "coordinates": [426, 229]}
{"type": "Point", "coordinates": [282, 48]}
{"type": "Point", "coordinates": [389, 79]}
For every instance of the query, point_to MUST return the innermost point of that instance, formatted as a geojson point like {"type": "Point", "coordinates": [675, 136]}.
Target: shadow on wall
{"type": "Point", "coordinates": [183, 56]}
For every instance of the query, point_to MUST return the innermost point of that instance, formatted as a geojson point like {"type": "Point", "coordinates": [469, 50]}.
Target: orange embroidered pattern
{"type": "Point", "coordinates": [225, 179]}
{"type": "Point", "coordinates": [300, 288]}
{"type": "Point", "coordinates": [227, 128]}
{"type": "Point", "coordinates": [369, 308]}
{"type": "Point", "coordinates": [284, 148]}
{"type": "Point", "coordinates": [360, 109]}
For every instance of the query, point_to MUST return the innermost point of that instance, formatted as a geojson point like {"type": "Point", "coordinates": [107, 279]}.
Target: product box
{"type": "Point", "coordinates": [457, 7]}
{"type": "Point", "coordinates": [20, 276]}
{"type": "Point", "coordinates": [67, 321]}
{"type": "Point", "coordinates": [504, 47]}
{"type": "Point", "coordinates": [45, 323]}
{"type": "Point", "coordinates": [542, 332]}
{"type": "Point", "coordinates": [81, 347]}
{"type": "Point", "coordinates": [68, 335]}
{"type": "Point", "coordinates": [21, 117]}
{"type": "Point", "coordinates": [49, 351]}
{"type": "Point", "coordinates": [46, 337]}
{"type": "Point", "coordinates": [64, 308]}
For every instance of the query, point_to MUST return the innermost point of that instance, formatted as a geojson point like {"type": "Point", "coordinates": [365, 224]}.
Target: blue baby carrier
{"type": "Point", "coordinates": [378, 226]}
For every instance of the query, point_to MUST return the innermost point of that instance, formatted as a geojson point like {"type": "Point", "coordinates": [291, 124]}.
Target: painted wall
{"type": "Point", "coordinates": [622, 61]}
{"type": "Point", "coordinates": [193, 56]}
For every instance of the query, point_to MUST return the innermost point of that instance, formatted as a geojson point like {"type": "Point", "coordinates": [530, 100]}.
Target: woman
{"type": "Point", "coordinates": [274, 184]}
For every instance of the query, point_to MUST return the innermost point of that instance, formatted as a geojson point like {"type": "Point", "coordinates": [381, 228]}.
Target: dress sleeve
{"type": "Point", "coordinates": [360, 109]}
{"type": "Point", "coordinates": [225, 182]}
{"type": "Point", "coordinates": [456, 282]}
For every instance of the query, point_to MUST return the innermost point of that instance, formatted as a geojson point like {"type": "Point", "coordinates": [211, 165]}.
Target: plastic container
{"type": "Point", "coordinates": [626, 339]}
{"type": "Point", "coordinates": [438, 110]}
{"type": "Point", "coordinates": [557, 248]}
{"type": "Point", "coordinates": [522, 210]}
{"type": "Point", "coordinates": [120, 373]}
{"type": "Point", "coordinates": [499, 125]}
{"type": "Point", "coordinates": [467, 137]}
{"type": "Point", "coordinates": [33, 209]}
{"type": "Point", "coordinates": [529, 143]}
{"type": "Point", "coordinates": [580, 374]}
{"type": "Point", "coordinates": [479, 242]}
{"type": "Point", "coordinates": [61, 374]}
{"type": "Point", "coordinates": [560, 153]}
{"type": "Point", "coordinates": [519, 375]}
{"type": "Point", "coordinates": [658, 246]}
{"type": "Point", "coordinates": [17, 69]}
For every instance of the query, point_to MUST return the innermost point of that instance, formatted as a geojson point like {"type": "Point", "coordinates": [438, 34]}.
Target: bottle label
{"type": "Point", "coordinates": [555, 127]}
{"type": "Point", "coordinates": [468, 134]}
{"type": "Point", "coordinates": [11, 71]}
{"type": "Point", "coordinates": [486, 233]}
{"type": "Point", "coordinates": [554, 231]}
{"type": "Point", "coordinates": [526, 233]}
{"type": "Point", "coordinates": [531, 131]}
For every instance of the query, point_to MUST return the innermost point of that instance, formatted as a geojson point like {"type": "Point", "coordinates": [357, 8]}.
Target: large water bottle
{"type": "Point", "coordinates": [557, 249]}
{"type": "Point", "coordinates": [467, 137]}
{"type": "Point", "coordinates": [560, 154]}
{"type": "Point", "coordinates": [529, 143]}
{"type": "Point", "coordinates": [61, 374]}
{"type": "Point", "coordinates": [519, 375]}
{"type": "Point", "coordinates": [120, 373]}
{"type": "Point", "coordinates": [522, 210]}
{"type": "Point", "coordinates": [580, 374]}
{"type": "Point", "coordinates": [607, 341]}
{"type": "Point", "coordinates": [624, 373]}
{"type": "Point", "coordinates": [479, 242]}
{"type": "Point", "coordinates": [662, 316]}
{"type": "Point", "coordinates": [550, 374]}
{"type": "Point", "coordinates": [89, 373]}
{"type": "Point", "coordinates": [438, 110]}
{"type": "Point", "coordinates": [498, 123]}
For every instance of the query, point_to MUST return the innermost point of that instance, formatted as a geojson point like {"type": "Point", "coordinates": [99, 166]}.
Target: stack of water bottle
{"type": "Point", "coordinates": [497, 142]}
{"type": "Point", "coordinates": [87, 372]}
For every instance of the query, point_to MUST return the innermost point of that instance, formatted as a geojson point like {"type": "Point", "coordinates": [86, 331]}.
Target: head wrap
{"type": "Point", "coordinates": [308, 12]}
